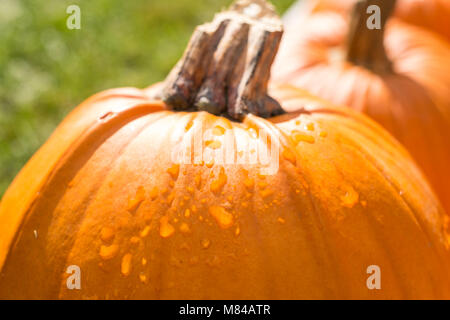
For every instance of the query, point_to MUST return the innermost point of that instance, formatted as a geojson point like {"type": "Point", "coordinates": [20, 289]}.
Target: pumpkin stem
{"type": "Point", "coordinates": [366, 34]}
{"type": "Point", "coordinates": [226, 66]}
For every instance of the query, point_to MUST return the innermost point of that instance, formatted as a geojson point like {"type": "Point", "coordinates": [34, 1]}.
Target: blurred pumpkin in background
{"type": "Point", "coordinates": [398, 75]}
{"type": "Point", "coordinates": [104, 193]}
{"type": "Point", "coordinates": [430, 14]}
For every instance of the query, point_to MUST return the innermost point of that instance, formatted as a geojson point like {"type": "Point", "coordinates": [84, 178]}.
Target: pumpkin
{"type": "Point", "coordinates": [430, 14]}
{"type": "Point", "coordinates": [105, 194]}
{"type": "Point", "coordinates": [399, 76]}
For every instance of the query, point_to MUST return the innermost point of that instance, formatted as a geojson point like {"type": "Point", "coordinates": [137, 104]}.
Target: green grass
{"type": "Point", "coordinates": [47, 69]}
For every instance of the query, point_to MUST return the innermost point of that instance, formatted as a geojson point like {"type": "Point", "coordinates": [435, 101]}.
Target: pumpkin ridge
{"type": "Point", "coordinates": [69, 152]}
{"type": "Point", "coordinates": [317, 220]}
{"type": "Point", "coordinates": [379, 240]}
{"type": "Point", "coordinates": [414, 214]}
{"type": "Point", "coordinates": [317, 213]}
{"type": "Point", "coordinates": [315, 216]}
{"type": "Point", "coordinates": [411, 212]}
{"type": "Point", "coordinates": [376, 165]}
{"type": "Point", "coordinates": [162, 245]}
{"type": "Point", "coordinates": [92, 196]}
{"type": "Point", "coordinates": [55, 174]}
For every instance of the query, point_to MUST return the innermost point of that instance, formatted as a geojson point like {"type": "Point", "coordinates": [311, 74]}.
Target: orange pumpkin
{"type": "Point", "coordinates": [430, 14]}
{"type": "Point", "coordinates": [104, 194]}
{"type": "Point", "coordinates": [404, 84]}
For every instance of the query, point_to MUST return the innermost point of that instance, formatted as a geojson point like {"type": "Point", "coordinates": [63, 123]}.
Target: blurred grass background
{"type": "Point", "coordinates": [47, 69]}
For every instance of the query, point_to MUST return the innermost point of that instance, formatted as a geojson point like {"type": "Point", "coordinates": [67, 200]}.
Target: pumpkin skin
{"type": "Point", "coordinates": [350, 199]}
{"type": "Point", "coordinates": [412, 103]}
{"type": "Point", "coordinates": [429, 14]}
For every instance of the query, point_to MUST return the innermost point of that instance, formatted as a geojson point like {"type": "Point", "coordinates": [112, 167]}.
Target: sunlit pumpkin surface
{"type": "Point", "coordinates": [412, 102]}
{"type": "Point", "coordinates": [104, 194]}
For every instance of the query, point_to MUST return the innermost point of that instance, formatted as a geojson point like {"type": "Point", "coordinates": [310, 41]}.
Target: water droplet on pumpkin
{"type": "Point", "coordinates": [188, 125]}
{"type": "Point", "coordinates": [249, 183]}
{"type": "Point", "coordinates": [298, 137]}
{"type": "Point", "coordinates": [165, 228]}
{"type": "Point", "coordinates": [253, 133]}
{"type": "Point", "coordinates": [238, 231]}
{"type": "Point", "coordinates": [125, 267]}
{"type": "Point", "coordinates": [281, 220]}
{"type": "Point", "coordinates": [205, 243]}
{"type": "Point", "coordinates": [266, 193]}
{"type": "Point", "coordinates": [213, 262]}
{"type": "Point", "coordinates": [170, 198]}
{"type": "Point", "coordinates": [187, 213]}
{"type": "Point", "coordinates": [134, 240]}
{"type": "Point", "coordinates": [289, 156]}
{"type": "Point", "coordinates": [144, 261]}
{"type": "Point", "coordinates": [143, 277]}
{"type": "Point", "coordinates": [133, 203]}
{"type": "Point", "coordinates": [213, 144]}
{"type": "Point", "coordinates": [190, 190]}
{"type": "Point", "coordinates": [218, 131]}
{"type": "Point", "coordinates": [185, 246]}
{"type": "Point", "coordinates": [262, 184]}
{"type": "Point", "coordinates": [145, 232]}
{"type": "Point", "coordinates": [198, 181]}
{"type": "Point", "coordinates": [222, 216]}
{"type": "Point", "coordinates": [35, 233]}
{"type": "Point", "coordinates": [350, 198]}
{"type": "Point", "coordinates": [310, 126]}
{"type": "Point", "coordinates": [153, 193]}
{"type": "Point", "coordinates": [101, 265]}
{"type": "Point", "coordinates": [219, 183]}
{"type": "Point", "coordinates": [174, 170]}
{"type": "Point", "coordinates": [184, 228]}
{"type": "Point", "coordinates": [194, 208]}
{"type": "Point", "coordinates": [108, 252]}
